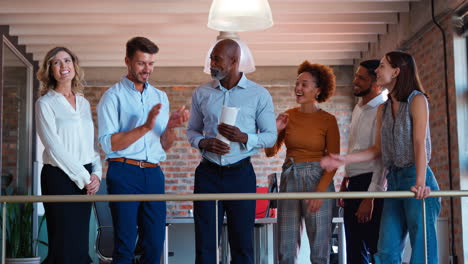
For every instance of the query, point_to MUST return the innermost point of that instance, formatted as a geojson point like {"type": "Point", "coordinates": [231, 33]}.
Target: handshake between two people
{"type": "Point", "coordinates": [332, 162]}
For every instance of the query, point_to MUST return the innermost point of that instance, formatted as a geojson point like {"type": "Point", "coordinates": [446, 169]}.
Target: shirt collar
{"type": "Point", "coordinates": [52, 92]}
{"type": "Point", "coordinates": [242, 83]}
{"type": "Point", "coordinates": [378, 100]}
{"type": "Point", "coordinates": [130, 85]}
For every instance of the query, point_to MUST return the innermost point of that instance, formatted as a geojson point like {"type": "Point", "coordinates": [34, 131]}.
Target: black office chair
{"type": "Point", "coordinates": [273, 188]}
{"type": "Point", "coordinates": [105, 231]}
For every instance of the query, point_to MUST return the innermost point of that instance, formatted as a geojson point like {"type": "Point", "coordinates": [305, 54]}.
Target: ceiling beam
{"type": "Point", "coordinates": [161, 63]}
{"type": "Point", "coordinates": [326, 7]}
{"type": "Point", "coordinates": [327, 29]}
{"type": "Point", "coordinates": [249, 38]}
{"type": "Point", "coordinates": [98, 48]}
{"type": "Point", "coordinates": [187, 30]}
{"type": "Point", "coordinates": [191, 7]}
{"type": "Point", "coordinates": [200, 57]}
{"type": "Point", "coordinates": [164, 19]}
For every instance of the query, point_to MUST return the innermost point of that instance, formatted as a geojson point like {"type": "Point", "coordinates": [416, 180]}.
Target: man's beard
{"type": "Point", "coordinates": [217, 74]}
{"type": "Point", "coordinates": [363, 93]}
{"type": "Point", "coordinates": [137, 78]}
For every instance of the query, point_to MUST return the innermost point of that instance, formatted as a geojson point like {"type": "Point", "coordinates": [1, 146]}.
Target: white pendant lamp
{"type": "Point", "coordinates": [240, 15]}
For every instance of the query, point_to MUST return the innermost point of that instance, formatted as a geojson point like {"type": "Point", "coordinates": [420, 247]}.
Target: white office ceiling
{"type": "Point", "coordinates": [332, 32]}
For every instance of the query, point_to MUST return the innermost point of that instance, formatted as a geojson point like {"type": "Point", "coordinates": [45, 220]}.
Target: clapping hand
{"type": "Point", "coordinates": [178, 117]}
{"type": "Point", "coordinates": [151, 119]}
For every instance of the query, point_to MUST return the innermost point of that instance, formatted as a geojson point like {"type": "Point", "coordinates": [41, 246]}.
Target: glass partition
{"type": "Point", "coordinates": [16, 121]}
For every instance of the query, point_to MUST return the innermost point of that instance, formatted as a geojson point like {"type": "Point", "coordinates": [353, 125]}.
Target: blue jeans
{"type": "Point", "coordinates": [401, 216]}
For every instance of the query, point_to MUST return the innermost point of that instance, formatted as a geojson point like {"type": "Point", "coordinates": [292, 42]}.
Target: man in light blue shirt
{"type": "Point", "coordinates": [135, 130]}
{"type": "Point", "coordinates": [226, 168]}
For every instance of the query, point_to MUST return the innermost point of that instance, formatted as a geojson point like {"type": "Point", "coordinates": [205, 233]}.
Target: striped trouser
{"type": "Point", "coordinates": [303, 177]}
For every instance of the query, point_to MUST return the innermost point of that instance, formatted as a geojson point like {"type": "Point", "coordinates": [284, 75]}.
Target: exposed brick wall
{"type": "Point", "coordinates": [182, 159]}
{"type": "Point", "coordinates": [429, 54]}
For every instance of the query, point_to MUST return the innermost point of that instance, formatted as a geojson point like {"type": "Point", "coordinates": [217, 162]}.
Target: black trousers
{"type": "Point", "coordinates": [361, 238]}
{"type": "Point", "coordinates": [67, 223]}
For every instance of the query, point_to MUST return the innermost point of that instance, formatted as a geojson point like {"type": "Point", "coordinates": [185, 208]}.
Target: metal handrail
{"type": "Point", "coordinates": [220, 197]}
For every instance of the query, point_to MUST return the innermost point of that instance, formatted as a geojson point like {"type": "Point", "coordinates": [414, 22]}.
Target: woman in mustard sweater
{"type": "Point", "coordinates": [309, 134]}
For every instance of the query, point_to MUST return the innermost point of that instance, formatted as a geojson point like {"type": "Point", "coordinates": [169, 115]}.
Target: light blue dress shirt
{"type": "Point", "coordinates": [256, 118]}
{"type": "Point", "coordinates": [123, 108]}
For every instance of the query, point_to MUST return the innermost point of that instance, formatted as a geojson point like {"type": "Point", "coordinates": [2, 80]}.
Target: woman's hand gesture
{"type": "Point", "coordinates": [282, 121]}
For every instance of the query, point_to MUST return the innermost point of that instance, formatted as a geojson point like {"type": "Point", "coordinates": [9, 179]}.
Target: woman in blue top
{"type": "Point", "coordinates": [405, 147]}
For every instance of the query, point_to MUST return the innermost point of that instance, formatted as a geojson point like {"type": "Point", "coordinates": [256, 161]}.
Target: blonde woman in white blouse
{"type": "Point", "coordinates": [72, 164]}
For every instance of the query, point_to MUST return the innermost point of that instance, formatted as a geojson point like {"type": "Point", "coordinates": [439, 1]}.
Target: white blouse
{"type": "Point", "coordinates": [68, 136]}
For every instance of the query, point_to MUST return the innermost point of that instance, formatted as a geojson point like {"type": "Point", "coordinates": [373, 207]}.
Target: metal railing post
{"type": "Point", "coordinates": [217, 237]}
{"type": "Point", "coordinates": [3, 232]}
{"type": "Point", "coordinates": [424, 229]}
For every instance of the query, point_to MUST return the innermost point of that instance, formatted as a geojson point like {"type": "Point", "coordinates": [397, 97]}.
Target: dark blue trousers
{"type": "Point", "coordinates": [150, 217]}
{"type": "Point", "coordinates": [361, 238]}
{"type": "Point", "coordinates": [210, 178]}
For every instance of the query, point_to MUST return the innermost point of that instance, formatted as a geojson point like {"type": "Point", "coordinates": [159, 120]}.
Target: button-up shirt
{"type": "Point", "coordinates": [361, 137]}
{"type": "Point", "coordinates": [68, 136]}
{"type": "Point", "coordinates": [256, 118]}
{"type": "Point", "coordinates": [123, 108]}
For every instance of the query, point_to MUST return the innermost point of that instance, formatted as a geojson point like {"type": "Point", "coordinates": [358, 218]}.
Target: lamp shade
{"type": "Point", "coordinates": [246, 62]}
{"type": "Point", "coordinates": [240, 15]}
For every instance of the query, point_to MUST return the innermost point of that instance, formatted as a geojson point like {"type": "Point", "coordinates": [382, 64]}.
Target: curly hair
{"type": "Point", "coordinates": [46, 77]}
{"type": "Point", "coordinates": [326, 80]}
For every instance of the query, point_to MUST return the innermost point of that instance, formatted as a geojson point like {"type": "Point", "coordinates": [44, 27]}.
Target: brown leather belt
{"type": "Point", "coordinates": [139, 163]}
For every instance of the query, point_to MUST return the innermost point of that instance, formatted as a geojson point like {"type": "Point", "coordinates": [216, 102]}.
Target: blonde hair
{"type": "Point", "coordinates": [46, 77]}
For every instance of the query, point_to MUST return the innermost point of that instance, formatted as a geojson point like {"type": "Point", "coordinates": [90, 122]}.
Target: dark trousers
{"type": "Point", "coordinates": [361, 238]}
{"type": "Point", "coordinates": [210, 178]}
{"type": "Point", "coordinates": [150, 217]}
{"type": "Point", "coordinates": [67, 223]}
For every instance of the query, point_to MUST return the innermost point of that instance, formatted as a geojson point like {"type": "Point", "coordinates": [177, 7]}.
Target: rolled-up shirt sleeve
{"type": "Point", "coordinates": [379, 181]}
{"type": "Point", "coordinates": [108, 121]}
{"type": "Point", "coordinates": [66, 161]}
{"type": "Point", "coordinates": [195, 123]}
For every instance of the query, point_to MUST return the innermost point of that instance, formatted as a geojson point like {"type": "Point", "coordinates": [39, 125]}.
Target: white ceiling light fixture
{"type": "Point", "coordinates": [240, 15]}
